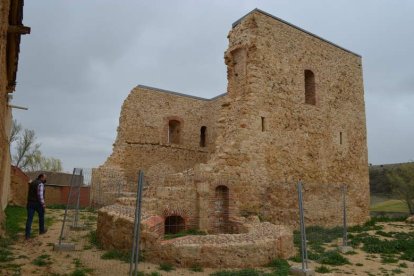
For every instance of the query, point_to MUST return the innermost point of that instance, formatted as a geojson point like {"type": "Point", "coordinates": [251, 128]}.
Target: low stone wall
{"type": "Point", "coordinates": [263, 243]}
{"type": "Point", "coordinates": [256, 246]}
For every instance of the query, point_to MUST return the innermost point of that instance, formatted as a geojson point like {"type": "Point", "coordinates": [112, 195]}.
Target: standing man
{"type": "Point", "coordinates": [36, 203]}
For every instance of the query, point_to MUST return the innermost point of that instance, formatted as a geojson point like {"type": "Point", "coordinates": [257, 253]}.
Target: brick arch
{"type": "Point", "coordinates": [174, 213]}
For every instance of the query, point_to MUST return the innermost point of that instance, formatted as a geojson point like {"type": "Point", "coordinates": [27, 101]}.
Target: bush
{"type": "Point", "coordinates": [117, 255]}
{"type": "Point", "coordinates": [281, 267]}
{"type": "Point", "coordinates": [42, 260]}
{"type": "Point", "coordinates": [196, 268]}
{"type": "Point", "coordinates": [166, 267]}
{"type": "Point", "coordinates": [322, 269]}
{"type": "Point", "coordinates": [333, 258]}
{"type": "Point", "coordinates": [388, 259]}
{"type": "Point", "coordinates": [93, 239]}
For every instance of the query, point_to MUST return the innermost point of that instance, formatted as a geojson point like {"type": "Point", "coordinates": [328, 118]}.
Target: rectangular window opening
{"type": "Point", "coordinates": [340, 138]}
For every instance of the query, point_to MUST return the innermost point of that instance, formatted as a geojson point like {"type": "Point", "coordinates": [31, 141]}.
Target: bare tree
{"type": "Point", "coordinates": [38, 162]}
{"type": "Point", "coordinates": [26, 147]}
{"type": "Point", "coordinates": [15, 131]}
{"type": "Point", "coordinates": [28, 156]}
{"type": "Point", "coordinates": [402, 183]}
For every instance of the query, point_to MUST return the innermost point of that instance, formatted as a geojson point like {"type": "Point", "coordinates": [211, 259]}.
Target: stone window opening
{"type": "Point", "coordinates": [174, 224]}
{"type": "Point", "coordinates": [222, 208]}
{"type": "Point", "coordinates": [174, 132]}
{"type": "Point", "coordinates": [263, 119]}
{"type": "Point", "coordinates": [203, 136]}
{"type": "Point", "coordinates": [310, 93]}
{"type": "Point", "coordinates": [340, 138]}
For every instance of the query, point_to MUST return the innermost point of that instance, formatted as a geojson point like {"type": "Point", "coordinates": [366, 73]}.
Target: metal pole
{"type": "Point", "coordinates": [141, 185]}
{"type": "Point", "coordinates": [304, 253]}
{"type": "Point", "coordinates": [137, 222]}
{"type": "Point", "coordinates": [66, 209]}
{"type": "Point", "coordinates": [75, 223]}
{"type": "Point", "coordinates": [345, 235]}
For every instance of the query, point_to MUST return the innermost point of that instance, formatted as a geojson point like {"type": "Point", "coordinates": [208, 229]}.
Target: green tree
{"type": "Point", "coordinates": [402, 183]}
{"type": "Point", "coordinates": [27, 155]}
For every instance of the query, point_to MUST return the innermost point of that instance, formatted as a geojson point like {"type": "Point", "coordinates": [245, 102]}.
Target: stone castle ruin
{"type": "Point", "coordinates": [294, 109]}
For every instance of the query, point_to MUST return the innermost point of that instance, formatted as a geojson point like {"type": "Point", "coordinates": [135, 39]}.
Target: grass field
{"type": "Point", "coordinates": [391, 205]}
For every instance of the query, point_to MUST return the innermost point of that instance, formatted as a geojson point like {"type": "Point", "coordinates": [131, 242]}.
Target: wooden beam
{"type": "Point", "coordinates": [18, 29]}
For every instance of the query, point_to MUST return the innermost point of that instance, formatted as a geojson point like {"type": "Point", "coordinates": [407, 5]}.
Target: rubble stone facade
{"type": "Point", "coordinates": [11, 28]}
{"type": "Point", "coordinates": [294, 110]}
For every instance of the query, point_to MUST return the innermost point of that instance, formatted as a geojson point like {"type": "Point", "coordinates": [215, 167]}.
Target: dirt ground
{"type": "Point", "coordinates": [36, 257]}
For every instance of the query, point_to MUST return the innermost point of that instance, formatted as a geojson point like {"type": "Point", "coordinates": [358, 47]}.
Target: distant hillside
{"type": "Point", "coordinates": [378, 181]}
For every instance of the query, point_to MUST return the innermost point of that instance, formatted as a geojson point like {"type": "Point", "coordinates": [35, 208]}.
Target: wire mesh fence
{"type": "Point", "coordinates": [322, 244]}
{"type": "Point", "coordinates": [191, 220]}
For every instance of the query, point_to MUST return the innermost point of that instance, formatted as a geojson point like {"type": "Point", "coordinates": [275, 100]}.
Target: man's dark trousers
{"type": "Point", "coordinates": [33, 207]}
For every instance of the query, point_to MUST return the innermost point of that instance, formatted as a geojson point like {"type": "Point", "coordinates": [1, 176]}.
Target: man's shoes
{"type": "Point", "coordinates": [44, 232]}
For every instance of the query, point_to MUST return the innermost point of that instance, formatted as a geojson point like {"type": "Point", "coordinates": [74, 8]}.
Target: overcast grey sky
{"type": "Point", "coordinates": [83, 58]}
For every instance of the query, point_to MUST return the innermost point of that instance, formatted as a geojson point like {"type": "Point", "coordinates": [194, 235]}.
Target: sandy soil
{"type": "Point", "coordinates": [88, 257]}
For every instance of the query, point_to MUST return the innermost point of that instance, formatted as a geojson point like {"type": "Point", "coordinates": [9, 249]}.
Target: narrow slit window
{"type": "Point", "coordinates": [310, 93]}
{"type": "Point", "coordinates": [203, 136]}
{"type": "Point", "coordinates": [263, 124]}
{"type": "Point", "coordinates": [340, 138]}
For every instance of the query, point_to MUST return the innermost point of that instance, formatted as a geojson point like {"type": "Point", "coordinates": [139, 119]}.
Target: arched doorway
{"type": "Point", "coordinates": [221, 206]}
{"type": "Point", "coordinates": [174, 224]}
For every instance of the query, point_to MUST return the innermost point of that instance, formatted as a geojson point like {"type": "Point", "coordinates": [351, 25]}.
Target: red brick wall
{"type": "Point", "coordinates": [59, 195]}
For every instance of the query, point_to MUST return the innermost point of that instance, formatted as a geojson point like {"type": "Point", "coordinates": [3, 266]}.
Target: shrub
{"type": "Point", "coordinates": [333, 258]}
{"type": "Point", "coordinates": [166, 267]}
{"type": "Point", "coordinates": [403, 265]}
{"type": "Point", "coordinates": [388, 259]}
{"type": "Point", "coordinates": [42, 260]}
{"type": "Point", "coordinates": [196, 268]}
{"type": "Point", "coordinates": [322, 269]}
{"type": "Point", "coordinates": [281, 267]}
{"type": "Point", "coordinates": [117, 255]}
{"type": "Point", "coordinates": [93, 239]}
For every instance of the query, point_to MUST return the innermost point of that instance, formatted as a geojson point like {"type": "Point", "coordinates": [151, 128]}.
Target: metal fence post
{"type": "Point", "coordinates": [304, 253]}
{"type": "Point", "coordinates": [345, 234]}
{"type": "Point", "coordinates": [137, 223]}
{"type": "Point", "coordinates": [66, 209]}
{"type": "Point", "coordinates": [76, 220]}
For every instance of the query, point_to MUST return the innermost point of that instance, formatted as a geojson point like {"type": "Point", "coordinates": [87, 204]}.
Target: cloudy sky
{"type": "Point", "coordinates": [83, 57]}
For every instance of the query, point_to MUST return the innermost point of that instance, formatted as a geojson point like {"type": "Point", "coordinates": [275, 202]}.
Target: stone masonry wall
{"type": "Point", "coordinates": [142, 140]}
{"type": "Point", "coordinates": [262, 134]}
{"type": "Point", "coordinates": [258, 244]}
{"type": "Point", "coordinates": [266, 62]}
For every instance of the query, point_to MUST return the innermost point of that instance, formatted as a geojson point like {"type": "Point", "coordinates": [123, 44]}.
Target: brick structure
{"type": "Point", "coordinates": [11, 28]}
{"type": "Point", "coordinates": [58, 187]}
{"type": "Point", "coordinates": [294, 109]}
{"type": "Point", "coordinates": [19, 187]}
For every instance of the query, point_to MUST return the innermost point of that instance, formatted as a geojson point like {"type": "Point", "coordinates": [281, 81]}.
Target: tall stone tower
{"type": "Point", "coordinates": [295, 110]}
